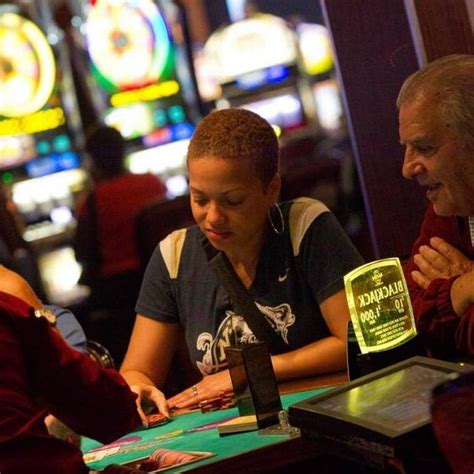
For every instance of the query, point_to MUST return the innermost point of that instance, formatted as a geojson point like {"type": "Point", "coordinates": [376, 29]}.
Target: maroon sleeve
{"type": "Point", "coordinates": [465, 333]}
{"type": "Point", "coordinates": [444, 333]}
{"type": "Point", "coordinates": [25, 444]}
{"type": "Point", "coordinates": [92, 401]}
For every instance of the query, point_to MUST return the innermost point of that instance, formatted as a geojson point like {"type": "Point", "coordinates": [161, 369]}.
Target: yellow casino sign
{"type": "Point", "coordinates": [27, 66]}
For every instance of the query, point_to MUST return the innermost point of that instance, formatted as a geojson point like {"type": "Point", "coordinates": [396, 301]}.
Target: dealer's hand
{"type": "Point", "coordinates": [439, 260]}
{"type": "Point", "coordinates": [146, 394]}
{"type": "Point", "coordinates": [208, 387]}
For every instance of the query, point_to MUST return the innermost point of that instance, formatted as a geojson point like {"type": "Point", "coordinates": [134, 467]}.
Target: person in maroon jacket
{"type": "Point", "coordinates": [40, 375]}
{"type": "Point", "coordinates": [436, 126]}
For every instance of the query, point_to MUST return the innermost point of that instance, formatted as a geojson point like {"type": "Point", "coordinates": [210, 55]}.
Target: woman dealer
{"type": "Point", "coordinates": [291, 257]}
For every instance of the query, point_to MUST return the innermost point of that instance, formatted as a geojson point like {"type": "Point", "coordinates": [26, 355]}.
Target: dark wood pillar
{"type": "Point", "coordinates": [377, 44]}
{"type": "Point", "coordinates": [374, 54]}
{"type": "Point", "coordinates": [444, 26]}
{"type": "Point", "coordinates": [198, 20]}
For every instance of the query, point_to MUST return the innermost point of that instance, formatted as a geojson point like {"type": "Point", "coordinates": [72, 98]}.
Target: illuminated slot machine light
{"type": "Point", "coordinates": [60, 192]}
{"type": "Point", "coordinates": [27, 66]}
{"type": "Point", "coordinates": [168, 134]}
{"type": "Point", "coordinates": [176, 114]}
{"type": "Point", "coordinates": [43, 147]}
{"type": "Point", "coordinates": [7, 177]}
{"type": "Point", "coordinates": [128, 43]}
{"type": "Point", "coordinates": [328, 104]}
{"type": "Point", "coordinates": [262, 77]}
{"type": "Point", "coordinates": [168, 160]}
{"type": "Point", "coordinates": [159, 137]}
{"type": "Point", "coordinates": [15, 150]}
{"type": "Point", "coordinates": [47, 202]}
{"type": "Point", "coordinates": [61, 143]}
{"type": "Point", "coordinates": [177, 185]}
{"type": "Point", "coordinates": [284, 112]}
{"type": "Point", "coordinates": [315, 47]}
{"type": "Point", "coordinates": [132, 121]}
{"type": "Point", "coordinates": [23, 200]}
{"type": "Point", "coordinates": [61, 273]}
{"type": "Point", "coordinates": [250, 45]}
{"type": "Point", "coordinates": [163, 125]}
{"type": "Point", "coordinates": [252, 80]}
{"type": "Point", "coordinates": [278, 130]}
{"type": "Point", "coordinates": [61, 215]}
{"type": "Point", "coordinates": [52, 163]}
{"type": "Point", "coordinates": [206, 74]}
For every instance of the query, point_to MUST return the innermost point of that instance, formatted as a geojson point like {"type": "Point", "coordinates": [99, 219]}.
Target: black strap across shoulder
{"type": "Point", "coordinates": [241, 299]}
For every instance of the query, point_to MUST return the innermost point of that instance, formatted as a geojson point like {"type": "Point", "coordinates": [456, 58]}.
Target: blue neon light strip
{"type": "Point", "coordinates": [256, 79]}
{"type": "Point", "coordinates": [53, 163]}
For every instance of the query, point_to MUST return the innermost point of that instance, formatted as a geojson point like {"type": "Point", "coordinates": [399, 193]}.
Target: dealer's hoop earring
{"type": "Point", "coordinates": [282, 221]}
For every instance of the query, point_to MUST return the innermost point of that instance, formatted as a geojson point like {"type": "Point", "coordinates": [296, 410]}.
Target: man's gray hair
{"type": "Point", "coordinates": [449, 82]}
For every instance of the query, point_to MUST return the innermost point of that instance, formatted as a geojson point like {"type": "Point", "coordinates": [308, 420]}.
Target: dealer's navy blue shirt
{"type": "Point", "coordinates": [296, 272]}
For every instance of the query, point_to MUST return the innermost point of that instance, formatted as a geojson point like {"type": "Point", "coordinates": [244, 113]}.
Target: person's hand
{"type": "Point", "coordinates": [59, 430]}
{"type": "Point", "coordinates": [146, 394]}
{"type": "Point", "coordinates": [439, 260]}
{"type": "Point", "coordinates": [208, 387]}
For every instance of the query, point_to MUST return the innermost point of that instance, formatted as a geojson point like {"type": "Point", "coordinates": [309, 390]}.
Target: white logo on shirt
{"type": "Point", "coordinates": [234, 330]}
{"type": "Point", "coordinates": [282, 278]}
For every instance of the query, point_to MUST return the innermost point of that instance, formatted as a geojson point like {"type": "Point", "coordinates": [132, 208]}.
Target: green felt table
{"type": "Point", "coordinates": [205, 440]}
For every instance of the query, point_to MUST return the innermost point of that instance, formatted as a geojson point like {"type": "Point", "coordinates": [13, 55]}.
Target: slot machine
{"type": "Point", "coordinates": [254, 62]}
{"type": "Point", "coordinates": [317, 64]}
{"type": "Point", "coordinates": [137, 78]}
{"type": "Point", "coordinates": [40, 133]}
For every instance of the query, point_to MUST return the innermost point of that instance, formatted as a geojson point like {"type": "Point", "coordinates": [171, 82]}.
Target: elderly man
{"type": "Point", "coordinates": [436, 126]}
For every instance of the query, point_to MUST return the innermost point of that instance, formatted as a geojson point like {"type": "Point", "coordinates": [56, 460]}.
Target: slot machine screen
{"type": "Point", "coordinates": [284, 112]}
{"type": "Point", "coordinates": [255, 63]}
{"type": "Point", "coordinates": [132, 63]}
{"type": "Point", "coordinates": [249, 45]}
{"type": "Point", "coordinates": [35, 139]}
{"type": "Point", "coordinates": [315, 47]}
{"type": "Point", "coordinates": [167, 160]}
